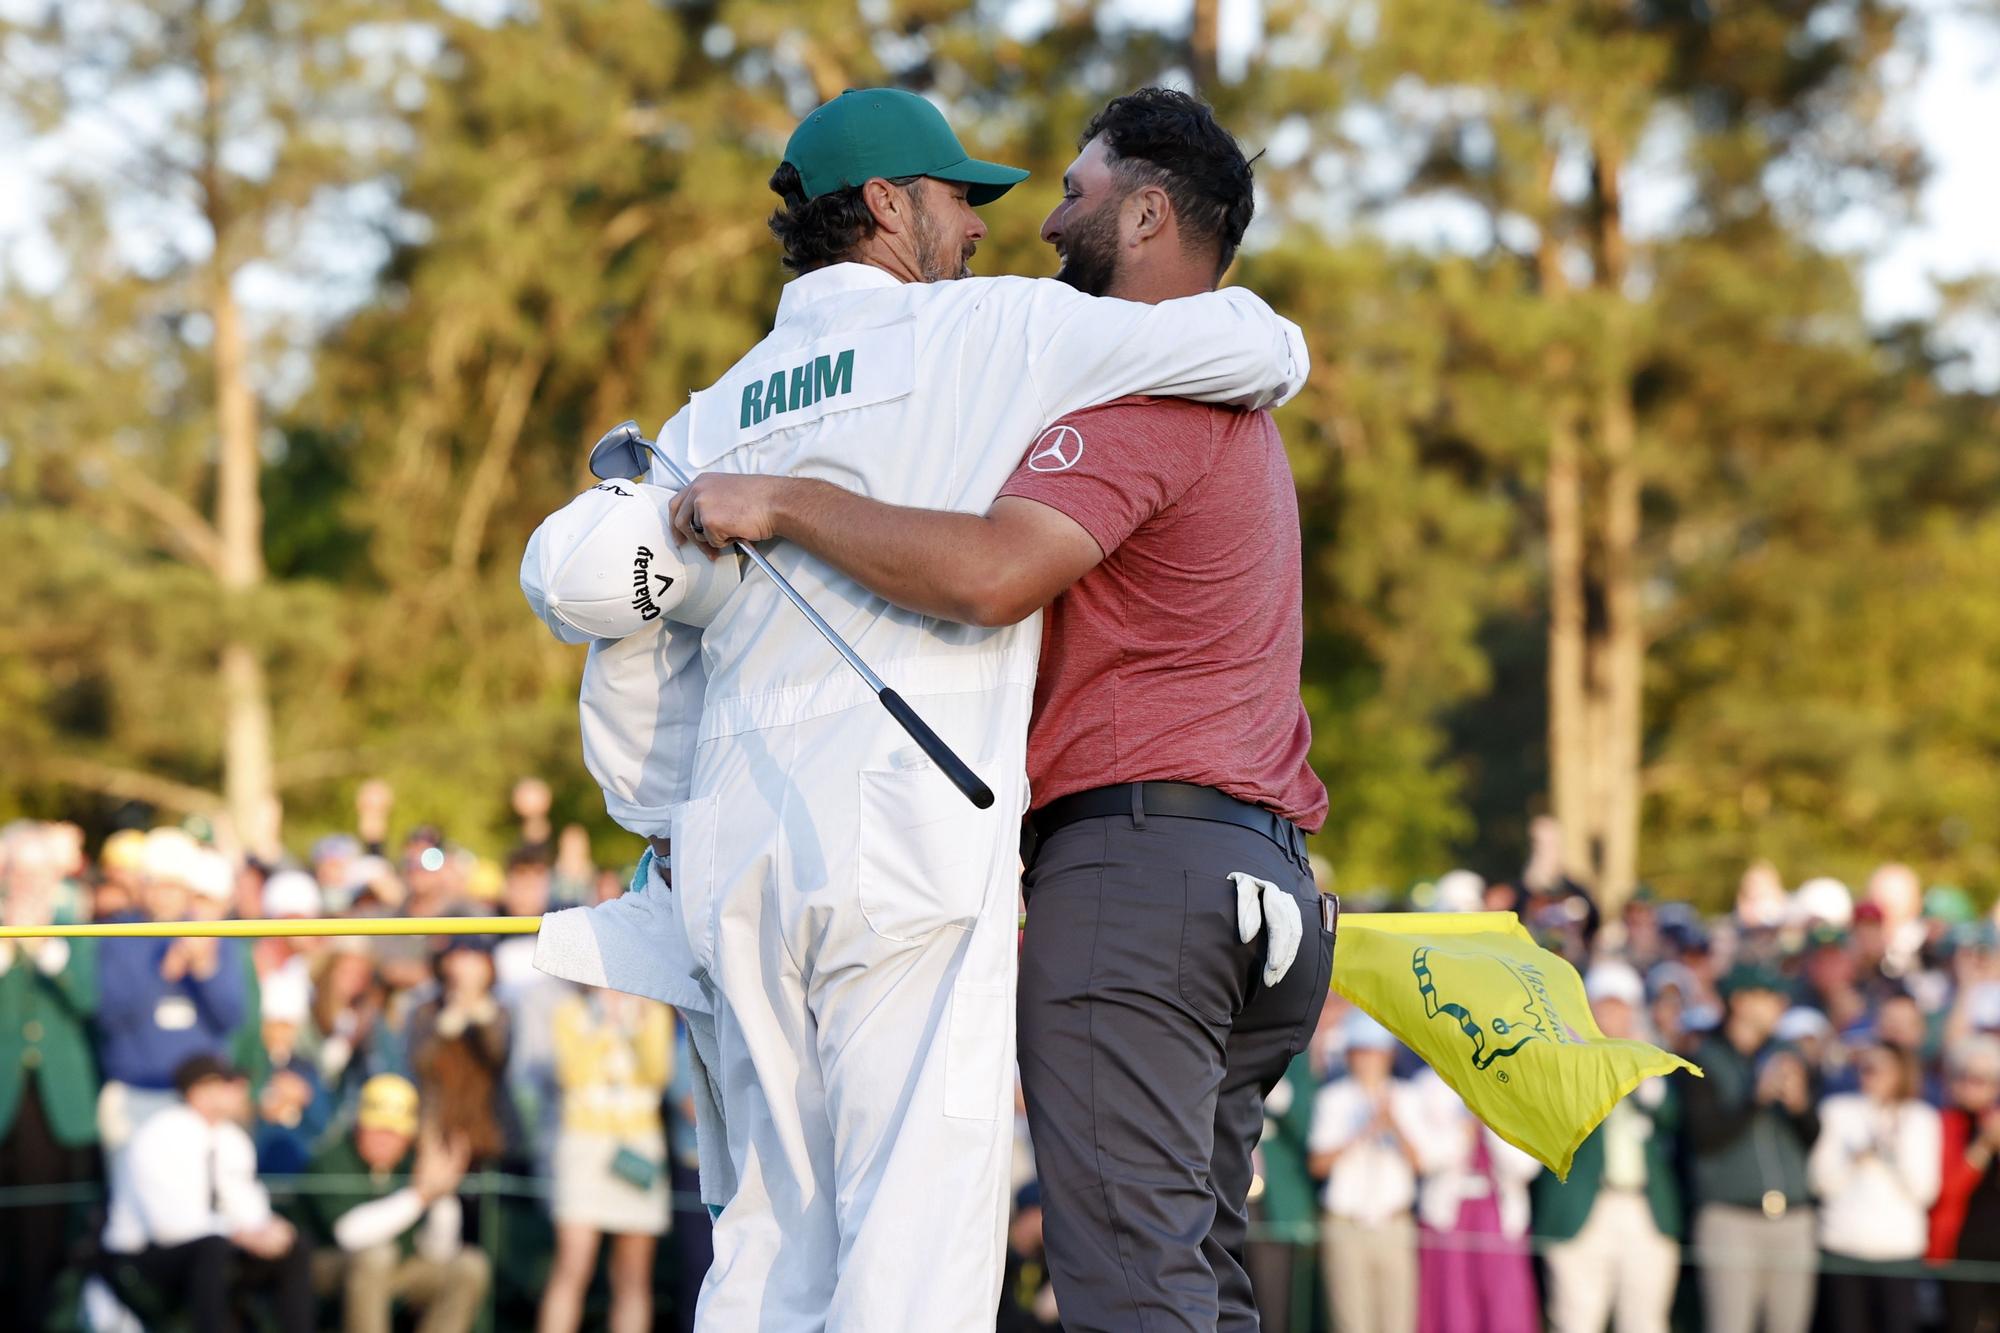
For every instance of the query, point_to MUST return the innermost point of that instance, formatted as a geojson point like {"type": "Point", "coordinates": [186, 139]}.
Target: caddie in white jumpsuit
{"type": "Point", "coordinates": [837, 911]}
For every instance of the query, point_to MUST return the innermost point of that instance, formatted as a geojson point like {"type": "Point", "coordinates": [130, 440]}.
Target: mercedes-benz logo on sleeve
{"type": "Point", "coordinates": [1059, 450]}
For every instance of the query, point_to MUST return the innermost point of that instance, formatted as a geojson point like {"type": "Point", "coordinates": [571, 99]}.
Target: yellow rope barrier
{"type": "Point", "coordinates": [294, 926]}
{"type": "Point", "coordinates": [327, 925]}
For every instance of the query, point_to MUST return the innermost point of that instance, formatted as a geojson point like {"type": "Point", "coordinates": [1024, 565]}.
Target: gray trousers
{"type": "Point", "coordinates": [1757, 1272]}
{"type": "Point", "coordinates": [1148, 1042]}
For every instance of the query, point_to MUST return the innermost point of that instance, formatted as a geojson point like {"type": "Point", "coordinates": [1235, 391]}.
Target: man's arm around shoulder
{"type": "Point", "coordinates": [996, 568]}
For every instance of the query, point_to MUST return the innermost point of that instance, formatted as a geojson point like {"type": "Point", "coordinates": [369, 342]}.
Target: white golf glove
{"type": "Point", "coordinates": [1260, 902]}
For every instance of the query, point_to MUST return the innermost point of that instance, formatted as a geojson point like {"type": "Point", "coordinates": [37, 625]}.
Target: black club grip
{"type": "Point", "coordinates": [933, 745]}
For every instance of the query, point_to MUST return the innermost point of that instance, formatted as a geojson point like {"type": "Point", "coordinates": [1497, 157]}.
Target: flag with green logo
{"type": "Point", "coordinates": [1502, 1020]}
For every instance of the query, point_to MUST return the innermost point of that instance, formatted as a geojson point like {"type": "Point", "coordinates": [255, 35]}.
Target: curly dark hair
{"type": "Point", "coordinates": [822, 231]}
{"type": "Point", "coordinates": [1158, 136]}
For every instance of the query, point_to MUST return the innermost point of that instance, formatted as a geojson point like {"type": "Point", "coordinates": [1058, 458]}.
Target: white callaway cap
{"type": "Point", "coordinates": [606, 565]}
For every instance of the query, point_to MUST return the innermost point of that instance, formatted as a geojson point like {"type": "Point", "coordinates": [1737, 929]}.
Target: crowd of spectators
{"type": "Point", "coordinates": [298, 1133]}
{"type": "Point", "coordinates": [305, 1132]}
{"type": "Point", "coordinates": [1831, 1172]}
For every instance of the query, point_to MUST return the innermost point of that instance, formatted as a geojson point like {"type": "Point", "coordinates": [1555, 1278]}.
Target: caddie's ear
{"type": "Point", "coordinates": [888, 204]}
{"type": "Point", "coordinates": [1147, 212]}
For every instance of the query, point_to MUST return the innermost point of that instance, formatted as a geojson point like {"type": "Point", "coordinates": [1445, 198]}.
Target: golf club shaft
{"type": "Point", "coordinates": [932, 744]}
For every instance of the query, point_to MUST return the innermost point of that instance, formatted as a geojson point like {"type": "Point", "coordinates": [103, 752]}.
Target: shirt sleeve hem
{"type": "Point", "coordinates": [1102, 530]}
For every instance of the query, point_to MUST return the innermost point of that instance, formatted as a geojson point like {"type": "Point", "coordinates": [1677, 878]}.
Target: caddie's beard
{"type": "Point", "coordinates": [934, 265]}
{"type": "Point", "coordinates": [1090, 251]}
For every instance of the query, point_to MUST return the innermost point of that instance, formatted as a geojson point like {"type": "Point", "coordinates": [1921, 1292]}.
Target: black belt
{"type": "Point", "coordinates": [1171, 800]}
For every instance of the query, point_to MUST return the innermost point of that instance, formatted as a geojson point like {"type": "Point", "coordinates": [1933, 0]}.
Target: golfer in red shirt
{"type": "Point", "coordinates": [1177, 951]}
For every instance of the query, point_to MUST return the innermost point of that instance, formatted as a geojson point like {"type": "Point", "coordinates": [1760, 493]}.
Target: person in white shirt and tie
{"type": "Point", "coordinates": [189, 1223]}
{"type": "Point", "coordinates": [1363, 1129]}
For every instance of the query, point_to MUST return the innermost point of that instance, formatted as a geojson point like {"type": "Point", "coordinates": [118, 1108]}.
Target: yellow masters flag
{"type": "Point", "coordinates": [1502, 1020]}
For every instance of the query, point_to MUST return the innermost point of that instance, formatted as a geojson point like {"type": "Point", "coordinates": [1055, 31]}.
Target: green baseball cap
{"type": "Point", "coordinates": [886, 132]}
{"type": "Point", "coordinates": [1752, 976]}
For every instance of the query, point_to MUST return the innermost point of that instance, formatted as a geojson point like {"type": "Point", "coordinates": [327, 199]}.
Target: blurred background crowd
{"type": "Point", "coordinates": [407, 1131]}
{"type": "Point", "coordinates": [330, 1130]}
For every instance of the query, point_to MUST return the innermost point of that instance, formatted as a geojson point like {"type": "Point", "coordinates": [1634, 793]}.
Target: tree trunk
{"type": "Point", "coordinates": [1562, 508]}
{"type": "Point", "coordinates": [1569, 749]}
{"type": "Point", "coordinates": [1204, 39]}
{"type": "Point", "coordinates": [1624, 648]}
{"type": "Point", "coordinates": [247, 784]}
{"type": "Point", "coordinates": [1623, 645]}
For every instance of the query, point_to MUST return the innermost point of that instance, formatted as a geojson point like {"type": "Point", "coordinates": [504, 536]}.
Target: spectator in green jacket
{"type": "Point", "coordinates": [1286, 1212]}
{"type": "Point", "coordinates": [389, 1219]}
{"type": "Point", "coordinates": [1751, 1124]}
{"type": "Point", "coordinates": [1616, 1222]}
{"type": "Point", "coordinates": [48, 1076]}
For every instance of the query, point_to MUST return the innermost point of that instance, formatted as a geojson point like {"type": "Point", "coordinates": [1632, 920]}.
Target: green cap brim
{"type": "Point", "coordinates": [989, 180]}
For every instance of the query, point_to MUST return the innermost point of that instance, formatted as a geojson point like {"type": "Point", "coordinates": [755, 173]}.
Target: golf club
{"type": "Point", "coordinates": [621, 445]}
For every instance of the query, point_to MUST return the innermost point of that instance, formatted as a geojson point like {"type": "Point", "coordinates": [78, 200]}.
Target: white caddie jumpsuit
{"type": "Point", "coordinates": [844, 914]}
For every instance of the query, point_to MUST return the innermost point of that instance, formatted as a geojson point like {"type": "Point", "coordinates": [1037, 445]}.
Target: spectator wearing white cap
{"type": "Point", "coordinates": [218, 882]}
{"type": "Point", "coordinates": [294, 1107]}
{"type": "Point", "coordinates": [1460, 891]}
{"type": "Point", "coordinates": [288, 895]}
{"type": "Point", "coordinates": [163, 1001]}
{"type": "Point", "coordinates": [1825, 901]}
{"type": "Point", "coordinates": [1615, 1259]}
{"type": "Point", "coordinates": [292, 893]}
{"type": "Point", "coordinates": [1364, 1130]}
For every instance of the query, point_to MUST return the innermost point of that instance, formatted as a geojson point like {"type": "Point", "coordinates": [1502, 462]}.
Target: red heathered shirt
{"type": "Point", "coordinates": [1177, 658]}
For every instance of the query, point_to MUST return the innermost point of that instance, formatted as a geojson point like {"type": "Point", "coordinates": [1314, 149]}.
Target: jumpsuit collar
{"type": "Point", "coordinates": [833, 280]}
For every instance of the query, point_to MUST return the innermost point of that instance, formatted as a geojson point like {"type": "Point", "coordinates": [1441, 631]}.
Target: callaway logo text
{"type": "Point", "coordinates": [642, 594]}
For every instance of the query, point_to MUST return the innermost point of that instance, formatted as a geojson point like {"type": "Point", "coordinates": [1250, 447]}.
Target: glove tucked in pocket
{"type": "Point", "coordinates": [1262, 904]}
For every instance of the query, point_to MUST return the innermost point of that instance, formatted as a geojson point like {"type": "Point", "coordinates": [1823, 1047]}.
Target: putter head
{"type": "Point", "coordinates": [618, 454]}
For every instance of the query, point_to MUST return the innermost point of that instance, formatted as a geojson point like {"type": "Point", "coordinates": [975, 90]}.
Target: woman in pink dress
{"type": "Point", "coordinates": [1473, 1270]}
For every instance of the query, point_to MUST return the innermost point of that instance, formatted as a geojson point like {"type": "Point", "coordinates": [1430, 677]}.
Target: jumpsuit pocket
{"type": "Point", "coordinates": [926, 857]}
{"type": "Point", "coordinates": [978, 1052]}
{"type": "Point", "coordinates": [693, 874]}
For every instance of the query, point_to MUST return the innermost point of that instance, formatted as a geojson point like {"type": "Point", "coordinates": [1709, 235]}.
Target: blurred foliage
{"type": "Point", "coordinates": [576, 236]}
